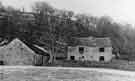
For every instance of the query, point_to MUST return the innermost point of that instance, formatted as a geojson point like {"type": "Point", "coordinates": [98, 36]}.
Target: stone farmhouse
{"type": "Point", "coordinates": [18, 52]}
{"type": "Point", "coordinates": [91, 49]}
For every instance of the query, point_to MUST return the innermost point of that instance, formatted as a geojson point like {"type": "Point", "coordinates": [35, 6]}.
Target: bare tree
{"type": "Point", "coordinates": [44, 12]}
{"type": "Point", "coordinates": [42, 7]}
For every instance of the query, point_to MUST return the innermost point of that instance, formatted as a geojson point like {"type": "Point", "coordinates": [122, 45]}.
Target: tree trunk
{"type": "Point", "coordinates": [52, 56]}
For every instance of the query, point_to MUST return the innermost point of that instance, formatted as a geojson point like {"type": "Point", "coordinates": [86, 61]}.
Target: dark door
{"type": "Point", "coordinates": [101, 58]}
{"type": "Point", "coordinates": [1, 62]}
{"type": "Point", "coordinates": [72, 57]}
{"type": "Point", "coordinates": [38, 60]}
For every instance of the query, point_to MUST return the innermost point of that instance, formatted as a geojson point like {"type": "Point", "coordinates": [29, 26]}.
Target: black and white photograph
{"type": "Point", "coordinates": [67, 40]}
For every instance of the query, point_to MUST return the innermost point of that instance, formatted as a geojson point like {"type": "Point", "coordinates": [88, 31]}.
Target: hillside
{"type": "Point", "coordinates": [46, 25]}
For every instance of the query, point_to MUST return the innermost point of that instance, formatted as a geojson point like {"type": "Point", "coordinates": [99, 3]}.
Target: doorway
{"type": "Point", "coordinates": [101, 58]}
{"type": "Point", "coordinates": [72, 57]}
{"type": "Point", "coordinates": [2, 62]}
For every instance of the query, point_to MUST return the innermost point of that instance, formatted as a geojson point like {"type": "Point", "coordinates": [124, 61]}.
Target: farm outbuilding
{"type": "Point", "coordinates": [91, 49]}
{"type": "Point", "coordinates": [17, 52]}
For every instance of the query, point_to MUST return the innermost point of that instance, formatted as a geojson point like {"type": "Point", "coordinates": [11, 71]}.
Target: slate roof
{"type": "Point", "coordinates": [94, 42]}
{"type": "Point", "coordinates": [37, 49]}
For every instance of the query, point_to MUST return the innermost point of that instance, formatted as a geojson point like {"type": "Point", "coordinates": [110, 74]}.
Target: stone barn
{"type": "Point", "coordinates": [19, 53]}
{"type": "Point", "coordinates": [91, 49]}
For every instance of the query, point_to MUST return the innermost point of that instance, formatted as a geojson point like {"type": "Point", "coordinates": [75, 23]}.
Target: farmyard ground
{"type": "Point", "coordinates": [30, 73]}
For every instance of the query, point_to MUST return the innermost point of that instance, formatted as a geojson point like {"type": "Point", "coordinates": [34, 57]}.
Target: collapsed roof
{"type": "Point", "coordinates": [94, 42]}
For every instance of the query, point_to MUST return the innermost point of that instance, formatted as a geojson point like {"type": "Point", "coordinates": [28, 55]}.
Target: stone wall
{"type": "Point", "coordinates": [90, 53]}
{"type": "Point", "coordinates": [16, 53]}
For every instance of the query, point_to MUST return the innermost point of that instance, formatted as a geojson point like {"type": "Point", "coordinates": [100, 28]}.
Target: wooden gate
{"type": "Point", "coordinates": [38, 60]}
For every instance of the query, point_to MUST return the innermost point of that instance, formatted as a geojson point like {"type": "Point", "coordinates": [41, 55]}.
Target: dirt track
{"type": "Point", "coordinates": [30, 73]}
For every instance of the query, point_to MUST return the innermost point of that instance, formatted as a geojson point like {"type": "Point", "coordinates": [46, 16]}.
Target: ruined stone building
{"type": "Point", "coordinates": [91, 49]}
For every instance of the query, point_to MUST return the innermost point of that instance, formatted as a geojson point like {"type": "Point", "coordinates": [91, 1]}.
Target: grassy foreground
{"type": "Point", "coordinates": [61, 74]}
{"type": "Point", "coordinates": [114, 64]}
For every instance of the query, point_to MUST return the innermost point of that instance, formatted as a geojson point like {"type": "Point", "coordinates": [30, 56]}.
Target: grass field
{"type": "Point", "coordinates": [62, 74]}
{"type": "Point", "coordinates": [114, 64]}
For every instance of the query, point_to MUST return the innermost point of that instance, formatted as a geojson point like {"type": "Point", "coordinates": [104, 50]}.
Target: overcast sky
{"type": "Point", "coordinates": [123, 10]}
